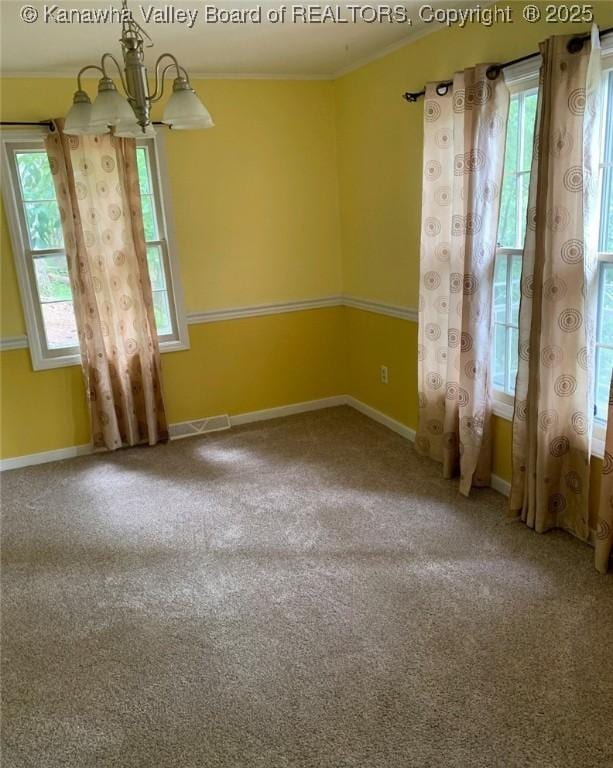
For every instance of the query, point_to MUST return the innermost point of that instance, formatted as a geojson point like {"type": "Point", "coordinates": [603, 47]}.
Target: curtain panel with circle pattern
{"type": "Point", "coordinates": [553, 416]}
{"type": "Point", "coordinates": [97, 188]}
{"type": "Point", "coordinates": [464, 143]}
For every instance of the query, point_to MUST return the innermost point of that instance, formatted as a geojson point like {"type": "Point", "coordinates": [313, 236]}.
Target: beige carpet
{"type": "Point", "coordinates": [303, 592]}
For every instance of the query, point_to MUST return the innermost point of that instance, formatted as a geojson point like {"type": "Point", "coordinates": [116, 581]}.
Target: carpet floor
{"type": "Point", "coordinates": [301, 592]}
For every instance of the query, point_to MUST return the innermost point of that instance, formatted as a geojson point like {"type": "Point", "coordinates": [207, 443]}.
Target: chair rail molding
{"type": "Point", "coordinates": [274, 308]}
{"type": "Point", "coordinates": [13, 342]}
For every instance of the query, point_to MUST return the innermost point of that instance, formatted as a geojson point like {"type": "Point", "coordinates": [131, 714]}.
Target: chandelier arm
{"type": "Point", "coordinates": [114, 60]}
{"type": "Point", "coordinates": [159, 82]}
{"type": "Point", "coordinates": [84, 69]}
{"type": "Point", "coordinates": [155, 98]}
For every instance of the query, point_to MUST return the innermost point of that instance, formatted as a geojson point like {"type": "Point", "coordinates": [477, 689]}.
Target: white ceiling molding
{"type": "Point", "coordinates": [283, 51]}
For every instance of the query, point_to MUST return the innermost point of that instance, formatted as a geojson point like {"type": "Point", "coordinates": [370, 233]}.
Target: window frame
{"type": "Point", "coordinates": [42, 357]}
{"type": "Point", "coordinates": [522, 77]}
{"type": "Point", "coordinates": [604, 257]}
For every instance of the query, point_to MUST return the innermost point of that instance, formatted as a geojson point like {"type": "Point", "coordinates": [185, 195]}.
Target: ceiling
{"type": "Point", "coordinates": [250, 49]}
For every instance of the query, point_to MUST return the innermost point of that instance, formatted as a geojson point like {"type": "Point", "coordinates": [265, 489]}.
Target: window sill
{"type": "Point", "coordinates": [174, 346]}
{"type": "Point", "coordinates": [65, 361]}
{"type": "Point", "coordinates": [504, 410]}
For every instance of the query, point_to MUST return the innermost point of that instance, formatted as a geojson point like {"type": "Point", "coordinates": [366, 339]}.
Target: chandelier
{"type": "Point", "coordinates": [129, 116]}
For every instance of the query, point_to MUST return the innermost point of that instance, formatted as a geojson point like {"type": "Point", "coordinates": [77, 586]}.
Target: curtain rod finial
{"type": "Point", "coordinates": [575, 44]}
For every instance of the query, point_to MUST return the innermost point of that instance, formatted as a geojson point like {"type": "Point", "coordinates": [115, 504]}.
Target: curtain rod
{"type": "Point", "coordinates": [574, 45]}
{"type": "Point", "coordinates": [47, 123]}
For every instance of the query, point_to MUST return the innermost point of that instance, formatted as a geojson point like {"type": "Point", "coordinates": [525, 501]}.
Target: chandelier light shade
{"type": "Point", "coordinates": [184, 109]}
{"type": "Point", "coordinates": [78, 118]}
{"type": "Point", "coordinates": [110, 108]}
{"type": "Point", "coordinates": [129, 116]}
{"type": "Point", "coordinates": [130, 129]}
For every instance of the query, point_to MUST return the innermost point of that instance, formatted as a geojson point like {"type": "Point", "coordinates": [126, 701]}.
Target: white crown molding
{"type": "Point", "coordinates": [380, 54]}
{"type": "Point", "coordinates": [392, 48]}
{"type": "Point", "coordinates": [62, 75]}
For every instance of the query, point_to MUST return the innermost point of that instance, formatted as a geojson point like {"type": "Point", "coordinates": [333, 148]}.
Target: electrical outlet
{"type": "Point", "coordinates": [384, 374]}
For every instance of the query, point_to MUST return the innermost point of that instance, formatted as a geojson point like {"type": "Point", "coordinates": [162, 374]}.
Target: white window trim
{"type": "Point", "coordinates": [520, 77]}
{"type": "Point", "coordinates": [164, 212]}
{"type": "Point", "coordinates": [41, 358]}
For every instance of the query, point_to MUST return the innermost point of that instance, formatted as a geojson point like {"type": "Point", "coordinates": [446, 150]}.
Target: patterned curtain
{"type": "Point", "coordinates": [554, 390]}
{"type": "Point", "coordinates": [96, 183]}
{"type": "Point", "coordinates": [464, 137]}
{"type": "Point", "coordinates": [604, 523]}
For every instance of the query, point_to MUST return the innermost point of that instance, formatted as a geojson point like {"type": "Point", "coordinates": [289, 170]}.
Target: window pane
{"type": "Point", "coordinates": [143, 171]}
{"type": "Point", "coordinates": [162, 313]}
{"type": "Point", "coordinates": [500, 338]}
{"type": "Point", "coordinates": [530, 100]}
{"type": "Point", "coordinates": [44, 226]}
{"type": "Point", "coordinates": [511, 149]}
{"type": "Point", "coordinates": [60, 326]}
{"type": "Point", "coordinates": [52, 278]}
{"type": "Point", "coordinates": [35, 176]}
{"type": "Point", "coordinates": [500, 288]}
{"type": "Point", "coordinates": [149, 222]}
{"type": "Point", "coordinates": [507, 225]}
{"type": "Point", "coordinates": [513, 342]}
{"type": "Point", "coordinates": [605, 310]}
{"type": "Point", "coordinates": [606, 215]}
{"type": "Point", "coordinates": [604, 364]}
{"type": "Point", "coordinates": [156, 268]}
{"type": "Point", "coordinates": [524, 184]}
{"type": "Point", "coordinates": [516, 264]}
{"type": "Point", "coordinates": [146, 192]}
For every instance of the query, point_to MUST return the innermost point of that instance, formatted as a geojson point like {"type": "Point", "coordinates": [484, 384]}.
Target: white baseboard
{"type": "Point", "coordinates": [497, 483]}
{"type": "Point", "coordinates": [382, 418]}
{"type": "Point", "coordinates": [30, 459]}
{"type": "Point", "coordinates": [288, 410]}
{"type": "Point", "coordinates": [72, 451]}
{"type": "Point", "coordinates": [500, 485]}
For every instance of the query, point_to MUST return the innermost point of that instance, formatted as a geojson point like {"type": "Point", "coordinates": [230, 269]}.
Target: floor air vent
{"type": "Point", "coordinates": [199, 427]}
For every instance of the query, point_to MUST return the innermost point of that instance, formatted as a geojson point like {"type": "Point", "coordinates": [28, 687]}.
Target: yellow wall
{"type": "Point", "coordinates": [379, 139]}
{"type": "Point", "coordinates": [234, 366]}
{"type": "Point", "coordinates": [255, 212]}
{"type": "Point", "coordinates": [254, 200]}
{"type": "Point", "coordinates": [258, 219]}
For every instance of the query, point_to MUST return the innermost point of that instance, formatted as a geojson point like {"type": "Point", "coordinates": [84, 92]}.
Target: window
{"type": "Point", "coordinates": [38, 247]}
{"type": "Point", "coordinates": [511, 232]}
{"type": "Point", "coordinates": [604, 319]}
